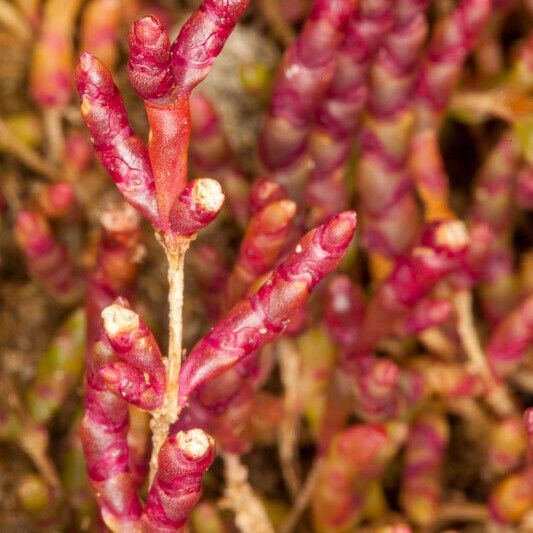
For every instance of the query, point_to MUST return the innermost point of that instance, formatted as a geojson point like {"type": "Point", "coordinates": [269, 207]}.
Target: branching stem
{"type": "Point", "coordinates": [497, 395]}
{"type": "Point", "coordinates": [303, 498]}
{"type": "Point", "coordinates": [33, 440]}
{"type": "Point", "coordinates": [26, 155]}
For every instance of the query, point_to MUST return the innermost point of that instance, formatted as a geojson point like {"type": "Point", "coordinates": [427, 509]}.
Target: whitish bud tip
{"type": "Point", "coordinates": [118, 319]}
{"type": "Point", "coordinates": [453, 235]}
{"type": "Point", "coordinates": [208, 193]}
{"type": "Point", "coordinates": [195, 443]}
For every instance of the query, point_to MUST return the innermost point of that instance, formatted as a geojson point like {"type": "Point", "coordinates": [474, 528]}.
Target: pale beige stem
{"type": "Point", "coordinates": [14, 21]}
{"type": "Point", "coordinates": [289, 364]}
{"type": "Point", "coordinates": [279, 26]}
{"type": "Point", "coordinates": [53, 125]}
{"type": "Point", "coordinates": [33, 439]}
{"type": "Point", "coordinates": [523, 380]}
{"type": "Point", "coordinates": [167, 415]}
{"type": "Point", "coordinates": [462, 512]}
{"type": "Point", "coordinates": [480, 106]}
{"type": "Point", "coordinates": [526, 525]}
{"type": "Point", "coordinates": [10, 144]}
{"type": "Point", "coordinates": [438, 343]}
{"type": "Point", "coordinates": [303, 499]}
{"type": "Point", "coordinates": [497, 394]}
{"type": "Point", "coordinates": [30, 8]}
{"type": "Point", "coordinates": [250, 514]}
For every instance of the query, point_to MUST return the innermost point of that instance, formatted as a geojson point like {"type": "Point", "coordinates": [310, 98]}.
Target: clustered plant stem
{"type": "Point", "coordinates": [363, 384]}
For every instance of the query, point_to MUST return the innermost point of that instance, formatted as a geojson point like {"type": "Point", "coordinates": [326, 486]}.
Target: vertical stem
{"type": "Point", "coordinates": [281, 29]}
{"type": "Point", "coordinates": [34, 439]}
{"type": "Point", "coordinates": [26, 155]}
{"type": "Point", "coordinates": [54, 133]}
{"type": "Point", "coordinates": [289, 363]}
{"type": "Point", "coordinates": [14, 21]}
{"type": "Point", "coordinates": [303, 499]}
{"type": "Point", "coordinates": [163, 418]}
{"type": "Point", "coordinates": [496, 393]}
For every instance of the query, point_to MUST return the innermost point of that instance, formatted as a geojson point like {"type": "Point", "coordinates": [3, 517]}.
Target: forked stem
{"type": "Point", "coordinates": [304, 497]}
{"type": "Point", "coordinates": [496, 394]}
{"type": "Point", "coordinates": [26, 155]}
{"type": "Point", "coordinates": [175, 249]}
{"type": "Point", "coordinates": [33, 440]}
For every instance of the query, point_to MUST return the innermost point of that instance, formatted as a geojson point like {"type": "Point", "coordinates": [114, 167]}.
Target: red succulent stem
{"type": "Point", "coordinates": [440, 251]}
{"type": "Point", "coordinates": [261, 246]}
{"type": "Point", "coordinates": [138, 375]}
{"type": "Point", "coordinates": [429, 313]}
{"type": "Point", "coordinates": [115, 271]}
{"type": "Point", "coordinates": [451, 42]}
{"type": "Point", "coordinates": [390, 213]}
{"type": "Point", "coordinates": [200, 41]}
{"type": "Point", "coordinates": [149, 61]}
{"type": "Point", "coordinates": [168, 146]}
{"type": "Point", "coordinates": [57, 200]}
{"type": "Point", "coordinates": [46, 258]}
{"type": "Point", "coordinates": [265, 191]}
{"type": "Point", "coordinates": [121, 151]}
{"type": "Point", "coordinates": [100, 30]}
{"type": "Point", "coordinates": [105, 422]}
{"type": "Point", "coordinates": [426, 447]}
{"type": "Point", "coordinates": [211, 275]}
{"type": "Point", "coordinates": [177, 487]}
{"type": "Point", "coordinates": [261, 318]}
{"type": "Point", "coordinates": [197, 206]}
{"type": "Point", "coordinates": [356, 456]}
{"type": "Point", "coordinates": [508, 344]}
{"type": "Point", "coordinates": [303, 78]}
{"type": "Point", "coordinates": [337, 117]}
{"type": "Point", "coordinates": [103, 430]}
{"type": "Point", "coordinates": [344, 307]}
{"type": "Point", "coordinates": [377, 389]}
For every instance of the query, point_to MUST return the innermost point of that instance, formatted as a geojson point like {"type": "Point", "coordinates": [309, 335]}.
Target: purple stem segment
{"type": "Point", "coordinates": [264, 240]}
{"type": "Point", "coordinates": [46, 258]}
{"type": "Point", "coordinates": [511, 339]}
{"type": "Point", "coordinates": [261, 318]}
{"type": "Point", "coordinates": [440, 251]}
{"type": "Point", "coordinates": [177, 486]}
{"type": "Point", "coordinates": [303, 78]}
{"type": "Point", "coordinates": [331, 140]}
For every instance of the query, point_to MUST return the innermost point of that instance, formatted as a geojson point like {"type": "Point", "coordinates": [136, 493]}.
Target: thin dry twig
{"type": "Point", "coordinates": [53, 126]}
{"type": "Point", "coordinates": [27, 156]}
{"type": "Point", "coordinates": [277, 22]}
{"type": "Point", "coordinates": [462, 512]}
{"type": "Point", "coordinates": [250, 514]}
{"type": "Point", "coordinates": [497, 395]}
{"type": "Point", "coordinates": [14, 21]}
{"type": "Point", "coordinates": [303, 499]}
{"type": "Point", "coordinates": [501, 104]}
{"type": "Point", "coordinates": [34, 441]}
{"type": "Point", "coordinates": [438, 343]}
{"type": "Point", "coordinates": [289, 362]}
